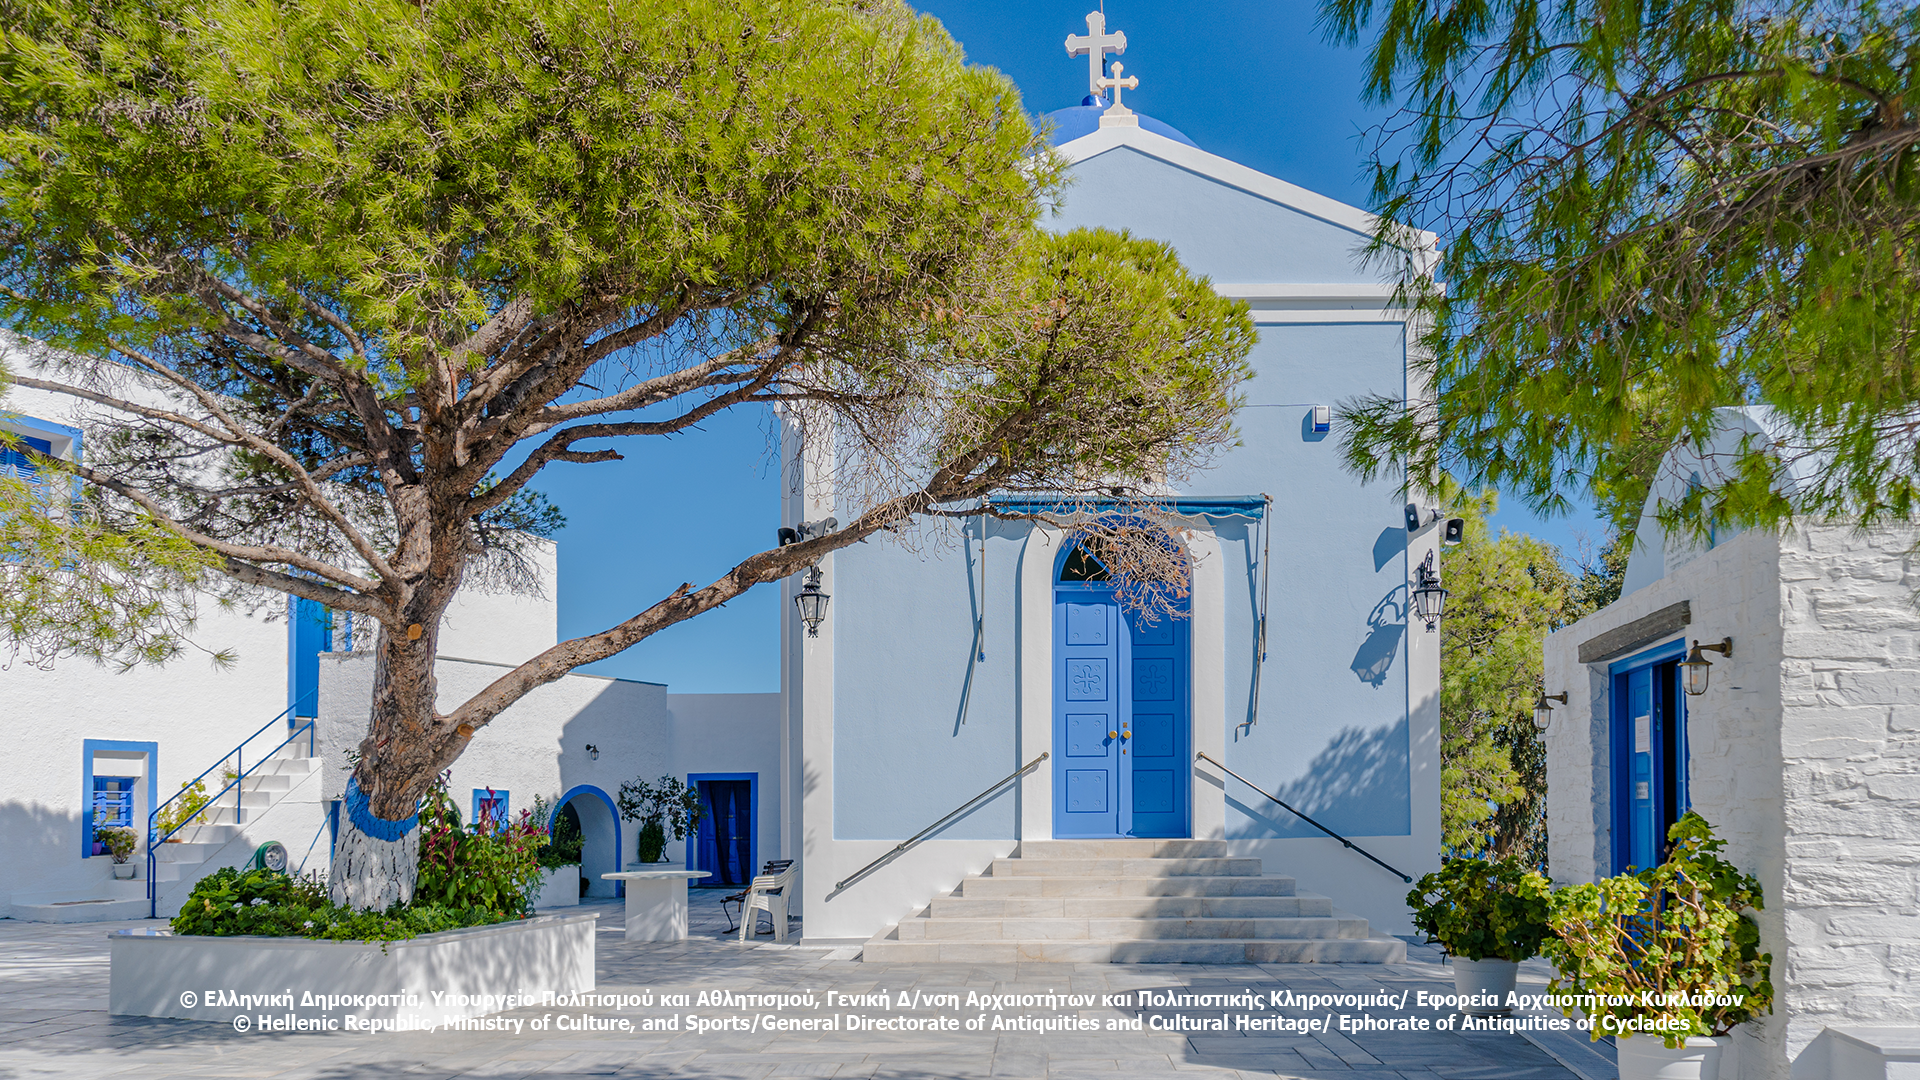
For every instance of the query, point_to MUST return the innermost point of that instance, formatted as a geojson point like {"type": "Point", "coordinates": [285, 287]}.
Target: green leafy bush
{"type": "Point", "coordinates": [666, 804]}
{"type": "Point", "coordinates": [1682, 932]}
{"type": "Point", "coordinates": [495, 870]}
{"type": "Point", "coordinates": [565, 844]}
{"type": "Point", "coordinates": [263, 903]}
{"type": "Point", "coordinates": [1480, 909]}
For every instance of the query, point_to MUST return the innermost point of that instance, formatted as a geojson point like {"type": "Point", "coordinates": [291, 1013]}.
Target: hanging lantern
{"type": "Point", "coordinates": [1429, 599]}
{"type": "Point", "coordinates": [1543, 710]}
{"type": "Point", "coordinates": [812, 603]}
{"type": "Point", "coordinates": [1697, 668]}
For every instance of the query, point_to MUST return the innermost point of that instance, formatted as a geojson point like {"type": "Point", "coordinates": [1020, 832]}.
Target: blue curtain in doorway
{"type": "Point", "coordinates": [726, 832]}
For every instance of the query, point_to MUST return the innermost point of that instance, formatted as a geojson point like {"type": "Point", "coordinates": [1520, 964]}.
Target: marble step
{"type": "Point", "coordinates": [1184, 885]}
{"type": "Point", "coordinates": [1365, 950]}
{"type": "Point", "coordinates": [1125, 867]}
{"type": "Point", "coordinates": [1121, 849]}
{"type": "Point", "coordinates": [1083, 929]}
{"type": "Point", "coordinates": [1132, 907]}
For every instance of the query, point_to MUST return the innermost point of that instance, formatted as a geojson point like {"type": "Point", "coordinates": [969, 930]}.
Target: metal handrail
{"type": "Point", "coordinates": [238, 753]}
{"type": "Point", "coordinates": [956, 812]}
{"type": "Point", "coordinates": [1356, 847]}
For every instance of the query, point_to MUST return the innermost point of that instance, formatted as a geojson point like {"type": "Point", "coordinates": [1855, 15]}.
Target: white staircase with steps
{"type": "Point", "coordinates": [1131, 902]}
{"type": "Point", "coordinates": [227, 839]}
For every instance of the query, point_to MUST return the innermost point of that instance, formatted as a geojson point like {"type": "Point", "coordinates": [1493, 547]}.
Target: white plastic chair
{"type": "Point", "coordinates": [768, 893]}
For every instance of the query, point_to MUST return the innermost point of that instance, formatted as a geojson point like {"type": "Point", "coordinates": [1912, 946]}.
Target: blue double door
{"type": "Point", "coordinates": [1121, 733]}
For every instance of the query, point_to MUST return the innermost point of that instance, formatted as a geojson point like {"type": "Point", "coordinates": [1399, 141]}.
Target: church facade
{"type": "Point", "coordinates": [939, 672]}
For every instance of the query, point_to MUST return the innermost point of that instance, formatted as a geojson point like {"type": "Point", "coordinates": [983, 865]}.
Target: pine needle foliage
{"type": "Point", "coordinates": [1650, 209]}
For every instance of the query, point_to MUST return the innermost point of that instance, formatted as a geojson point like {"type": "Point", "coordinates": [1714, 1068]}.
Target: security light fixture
{"type": "Point", "coordinates": [593, 752]}
{"type": "Point", "coordinates": [1429, 598]}
{"type": "Point", "coordinates": [1696, 665]}
{"type": "Point", "coordinates": [1322, 419]}
{"type": "Point", "coordinates": [812, 603]}
{"type": "Point", "coordinates": [1543, 709]}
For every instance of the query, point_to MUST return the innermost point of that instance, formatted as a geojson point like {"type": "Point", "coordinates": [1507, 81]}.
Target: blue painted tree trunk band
{"type": "Point", "coordinates": [363, 818]}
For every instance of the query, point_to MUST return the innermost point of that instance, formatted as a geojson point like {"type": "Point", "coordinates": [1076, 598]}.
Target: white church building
{"type": "Point", "coordinates": [1802, 748]}
{"type": "Point", "coordinates": [977, 754]}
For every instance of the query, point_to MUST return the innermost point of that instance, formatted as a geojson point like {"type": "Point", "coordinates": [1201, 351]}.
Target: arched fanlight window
{"type": "Point", "coordinates": [1080, 566]}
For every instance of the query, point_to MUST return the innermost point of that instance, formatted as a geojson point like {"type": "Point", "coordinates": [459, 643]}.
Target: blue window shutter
{"type": "Point", "coordinates": [113, 800]}
{"type": "Point", "coordinates": [14, 460]}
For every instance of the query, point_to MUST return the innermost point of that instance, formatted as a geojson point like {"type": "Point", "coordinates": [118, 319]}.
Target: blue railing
{"type": "Point", "coordinates": [240, 770]}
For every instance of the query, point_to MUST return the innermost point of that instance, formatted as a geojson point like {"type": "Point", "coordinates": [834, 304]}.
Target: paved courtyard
{"type": "Point", "coordinates": [54, 1023]}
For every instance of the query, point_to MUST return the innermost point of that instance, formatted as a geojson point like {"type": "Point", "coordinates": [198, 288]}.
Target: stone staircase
{"type": "Point", "coordinates": [228, 838]}
{"type": "Point", "coordinates": [1131, 902]}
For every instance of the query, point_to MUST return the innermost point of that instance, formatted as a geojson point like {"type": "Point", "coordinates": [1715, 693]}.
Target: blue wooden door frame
{"type": "Point", "coordinates": [1122, 730]}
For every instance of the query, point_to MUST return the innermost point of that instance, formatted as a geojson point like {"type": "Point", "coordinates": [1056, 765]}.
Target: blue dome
{"type": "Point", "coordinates": [1084, 119]}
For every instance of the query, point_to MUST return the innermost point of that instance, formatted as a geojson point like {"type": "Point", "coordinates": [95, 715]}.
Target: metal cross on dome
{"type": "Point", "coordinates": [1094, 45]}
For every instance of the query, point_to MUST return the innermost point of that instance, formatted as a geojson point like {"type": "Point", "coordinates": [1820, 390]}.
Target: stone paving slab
{"type": "Point", "coordinates": [54, 1024]}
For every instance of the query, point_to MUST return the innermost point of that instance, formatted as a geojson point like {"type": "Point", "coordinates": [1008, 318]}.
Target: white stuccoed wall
{"type": "Point", "coordinates": [1804, 754]}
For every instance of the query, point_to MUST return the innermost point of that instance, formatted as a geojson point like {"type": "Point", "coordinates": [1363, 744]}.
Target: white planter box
{"type": "Point", "coordinates": [155, 973]}
{"type": "Point", "coordinates": [1645, 1057]}
{"type": "Point", "coordinates": [559, 887]}
{"type": "Point", "coordinates": [1488, 982]}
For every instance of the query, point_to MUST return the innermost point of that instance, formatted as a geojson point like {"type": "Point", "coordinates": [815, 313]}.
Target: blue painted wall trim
{"type": "Point", "coordinates": [619, 853]}
{"type": "Point", "coordinates": [90, 747]}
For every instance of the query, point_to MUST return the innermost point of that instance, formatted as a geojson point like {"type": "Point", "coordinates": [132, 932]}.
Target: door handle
{"type": "Point", "coordinates": [1113, 734]}
{"type": "Point", "coordinates": [1126, 735]}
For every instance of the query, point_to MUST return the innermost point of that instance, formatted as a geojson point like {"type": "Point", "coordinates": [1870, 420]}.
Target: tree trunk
{"type": "Point", "coordinates": [369, 872]}
{"type": "Point", "coordinates": [376, 859]}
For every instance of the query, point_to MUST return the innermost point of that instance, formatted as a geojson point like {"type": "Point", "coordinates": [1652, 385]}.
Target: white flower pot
{"type": "Point", "coordinates": [559, 887]}
{"type": "Point", "coordinates": [123, 871]}
{"type": "Point", "coordinates": [1483, 985]}
{"type": "Point", "coordinates": [1646, 1057]}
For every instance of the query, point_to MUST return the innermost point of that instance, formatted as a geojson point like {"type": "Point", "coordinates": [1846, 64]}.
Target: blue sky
{"type": "Point", "coordinates": [1254, 82]}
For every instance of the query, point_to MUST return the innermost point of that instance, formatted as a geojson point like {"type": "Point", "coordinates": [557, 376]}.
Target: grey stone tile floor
{"type": "Point", "coordinates": [54, 1023]}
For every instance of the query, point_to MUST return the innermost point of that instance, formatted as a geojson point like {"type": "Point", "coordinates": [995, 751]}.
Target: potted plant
{"type": "Point", "coordinates": [120, 843]}
{"type": "Point", "coordinates": [1488, 915]}
{"type": "Point", "coordinates": [665, 805]}
{"type": "Point", "coordinates": [1672, 953]}
{"type": "Point", "coordinates": [560, 878]}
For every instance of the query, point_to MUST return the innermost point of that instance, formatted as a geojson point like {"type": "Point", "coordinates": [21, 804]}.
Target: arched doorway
{"type": "Point", "coordinates": [1122, 710]}
{"type": "Point", "coordinates": [600, 836]}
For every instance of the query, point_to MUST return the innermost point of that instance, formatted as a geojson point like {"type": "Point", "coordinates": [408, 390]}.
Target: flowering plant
{"type": "Point", "coordinates": [493, 866]}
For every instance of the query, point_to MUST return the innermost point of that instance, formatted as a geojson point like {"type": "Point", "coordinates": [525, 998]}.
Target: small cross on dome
{"type": "Point", "coordinates": [1094, 45]}
{"type": "Point", "coordinates": [1131, 82]}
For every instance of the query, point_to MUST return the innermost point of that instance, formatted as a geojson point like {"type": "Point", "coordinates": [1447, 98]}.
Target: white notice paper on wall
{"type": "Point", "coordinates": [1643, 734]}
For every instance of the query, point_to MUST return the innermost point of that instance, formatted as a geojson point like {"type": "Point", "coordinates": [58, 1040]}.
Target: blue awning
{"type": "Point", "coordinates": [1246, 506]}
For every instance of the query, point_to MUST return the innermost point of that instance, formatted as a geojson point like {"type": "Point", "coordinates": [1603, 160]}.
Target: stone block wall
{"type": "Point", "coordinates": [1850, 766]}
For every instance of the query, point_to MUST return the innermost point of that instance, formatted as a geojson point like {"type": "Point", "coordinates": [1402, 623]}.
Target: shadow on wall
{"type": "Point", "coordinates": [1386, 626]}
{"type": "Point", "coordinates": [36, 835]}
{"type": "Point", "coordinates": [1357, 786]}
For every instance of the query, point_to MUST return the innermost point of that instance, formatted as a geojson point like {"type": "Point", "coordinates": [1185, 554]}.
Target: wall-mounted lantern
{"type": "Point", "coordinates": [1429, 598]}
{"type": "Point", "coordinates": [812, 603]}
{"type": "Point", "coordinates": [1696, 665]}
{"type": "Point", "coordinates": [593, 752]}
{"type": "Point", "coordinates": [1543, 710]}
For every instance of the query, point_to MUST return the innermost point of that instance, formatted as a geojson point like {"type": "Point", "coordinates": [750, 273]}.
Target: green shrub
{"type": "Point", "coordinates": [263, 903]}
{"type": "Point", "coordinates": [1480, 909]}
{"type": "Point", "coordinates": [565, 844]}
{"type": "Point", "coordinates": [667, 804]}
{"type": "Point", "coordinates": [460, 868]}
{"type": "Point", "coordinates": [1683, 930]}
